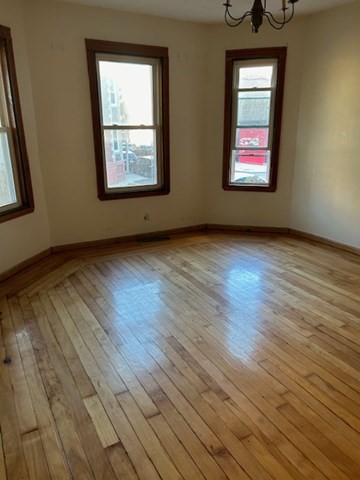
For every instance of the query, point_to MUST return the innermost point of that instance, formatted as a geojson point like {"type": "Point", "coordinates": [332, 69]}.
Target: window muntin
{"type": "Point", "coordinates": [254, 86]}
{"type": "Point", "coordinates": [131, 130]}
{"type": "Point", "coordinates": [15, 184]}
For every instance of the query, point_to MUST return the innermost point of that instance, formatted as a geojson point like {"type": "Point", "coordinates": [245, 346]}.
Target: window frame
{"type": "Point", "coordinates": [15, 132]}
{"type": "Point", "coordinates": [140, 52]}
{"type": "Point", "coordinates": [277, 54]}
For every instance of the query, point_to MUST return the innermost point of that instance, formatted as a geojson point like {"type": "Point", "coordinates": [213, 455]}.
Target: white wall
{"type": "Point", "coordinates": [56, 33]}
{"type": "Point", "coordinates": [28, 235]}
{"type": "Point", "coordinates": [326, 196]}
{"type": "Point", "coordinates": [251, 208]}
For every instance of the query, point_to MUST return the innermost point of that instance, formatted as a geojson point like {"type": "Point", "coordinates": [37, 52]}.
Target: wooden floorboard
{"type": "Point", "coordinates": [205, 357]}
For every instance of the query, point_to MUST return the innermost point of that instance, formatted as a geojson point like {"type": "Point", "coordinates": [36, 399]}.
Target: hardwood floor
{"type": "Point", "coordinates": [209, 356]}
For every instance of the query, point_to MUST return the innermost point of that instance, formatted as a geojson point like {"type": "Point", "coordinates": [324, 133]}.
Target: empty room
{"type": "Point", "coordinates": [179, 240]}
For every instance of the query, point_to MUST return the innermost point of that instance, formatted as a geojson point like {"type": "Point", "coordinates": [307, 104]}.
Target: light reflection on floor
{"type": "Point", "coordinates": [246, 290]}
{"type": "Point", "coordinates": [240, 288]}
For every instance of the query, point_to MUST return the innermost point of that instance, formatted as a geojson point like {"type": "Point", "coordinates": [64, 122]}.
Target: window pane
{"type": "Point", "coordinates": [126, 93]}
{"type": "Point", "coordinates": [255, 77]}
{"type": "Point", "coordinates": [7, 186]}
{"type": "Point", "coordinates": [254, 108]}
{"type": "Point", "coordinates": [130, 158]}
{"type": "Point", "coordinates": [252, 137]}
{"type": "Point", "coordinates": [250, 167]}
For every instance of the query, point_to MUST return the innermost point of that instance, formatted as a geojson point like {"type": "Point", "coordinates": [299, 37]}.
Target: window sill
{"type": "Point", "coordinates": [19, 212]}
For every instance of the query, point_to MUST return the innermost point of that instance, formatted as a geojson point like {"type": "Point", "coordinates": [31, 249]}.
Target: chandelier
{"type": "Point", "coordinates": [258, 12]}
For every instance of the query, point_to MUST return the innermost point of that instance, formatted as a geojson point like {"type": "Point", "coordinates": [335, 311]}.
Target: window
{"type": "Point", "coordinates": [129, 86]}
{"type": "Point", "coordinates": [253, 107]}
{"type": "Point", "coordinates": [15, 185]}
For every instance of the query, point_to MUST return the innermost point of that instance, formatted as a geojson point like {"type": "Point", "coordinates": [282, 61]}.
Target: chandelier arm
{"type": "Point", "coordinates": [237, 21]}
{"type": "Point", "coordinates": [278, 26]}
{"type": "Point", "coordinates": [273, 21]}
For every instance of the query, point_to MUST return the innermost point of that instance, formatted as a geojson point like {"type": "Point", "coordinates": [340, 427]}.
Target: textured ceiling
{"type": "Point", "coordinates": [206, 11]}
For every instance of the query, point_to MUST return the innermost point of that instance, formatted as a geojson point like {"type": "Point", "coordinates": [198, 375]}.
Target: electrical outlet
{"type": "Point", "coordinates": [146, 217]}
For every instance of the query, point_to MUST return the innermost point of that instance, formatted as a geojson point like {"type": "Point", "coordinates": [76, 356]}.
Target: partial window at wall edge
{"type": "Point", "coordinates": [129, 89]}
{"type": "Point", "coordinates": [16, 196]}
{"type": "Point", "coordinates": [254, 90]}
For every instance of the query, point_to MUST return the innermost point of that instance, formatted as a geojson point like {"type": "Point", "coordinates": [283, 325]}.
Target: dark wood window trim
{"type": "Point", "coordinates": [94, 47]}
{"type": "Point", "coordinates": [20, 158]}
{"type": "Point", "coordinates": [278, 53]}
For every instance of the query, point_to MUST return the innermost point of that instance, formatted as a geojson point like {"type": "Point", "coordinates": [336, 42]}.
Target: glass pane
{"type": "Point", "coordinates": [254, 109]}
{"type": "Point", "coordinates": [130, 158]}
{"type": "Point", "coordinates": [255, 77]}
{"type": "Point", "coordinates": [250, 167]}
{"type": "Point", "coordinates": [252, 137]}
{"type": "Point", "coordinates": [126, 93]}
{"type": "Point", "coordinates": [7, 184]}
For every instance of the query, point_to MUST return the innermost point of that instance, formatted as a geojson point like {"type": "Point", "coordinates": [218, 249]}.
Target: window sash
{"type": "Point", "coordinates": [159, 163]}
{"type": "Point", "coordinates": [156, 82]}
